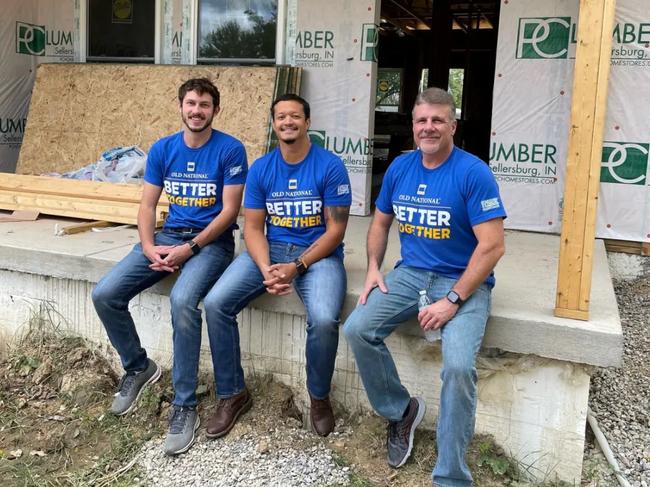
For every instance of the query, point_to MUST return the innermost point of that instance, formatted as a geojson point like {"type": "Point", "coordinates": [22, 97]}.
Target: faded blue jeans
{"type": "Point", "coordinates": [368, 326]}
{"type": "Point", "coordinates": [322, 290]}
{"type": "Point", "coordinates": [132, 275]}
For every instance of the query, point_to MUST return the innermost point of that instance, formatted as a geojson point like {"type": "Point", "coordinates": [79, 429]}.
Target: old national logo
{"type": "Point", "coordinates": [30, 39]}
{"type": "Point", "coordinates": [544, 38]}
{"type": "Point", "coordinates": [625, 163]}
{"type": "Point", "coordinates": [369, 41]}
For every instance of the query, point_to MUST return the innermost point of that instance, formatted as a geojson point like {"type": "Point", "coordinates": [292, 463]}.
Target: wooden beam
{"type": "Point", "coordinates": [71, 187]}
{"type": "Point", "coordinates": [588, 106]}
{"type": "Point", "coordinates": [113, 202]}
{"type": "Point", "coordinates": [627, 247]}
{"type": "Point", "coordinates": [83, 227]}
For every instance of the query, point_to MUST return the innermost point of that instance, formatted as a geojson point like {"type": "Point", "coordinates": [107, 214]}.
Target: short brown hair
{"type": "Point", "coordinates": [436, 96]}
{"type": "Point", "coordinates": [200, 85]}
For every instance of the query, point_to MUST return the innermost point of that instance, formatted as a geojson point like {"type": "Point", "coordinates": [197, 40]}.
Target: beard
{"type": "Point", "coordinates": [207, 124]}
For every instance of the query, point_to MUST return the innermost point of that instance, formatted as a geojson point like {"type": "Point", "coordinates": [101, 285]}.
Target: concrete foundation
{"type": "Point", "coordinates": [533, 399]}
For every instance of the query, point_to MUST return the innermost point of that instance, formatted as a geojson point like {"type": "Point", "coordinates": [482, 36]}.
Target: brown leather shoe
{"type": "Point", "coordinates": [228, 410]}
{"type": "Point", "coordinates": [321, 415]}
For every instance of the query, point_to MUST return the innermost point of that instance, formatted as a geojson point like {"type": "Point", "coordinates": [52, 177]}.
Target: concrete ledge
{"type": "Point", "coordinates": [521, 321]}
{"type": "Point", "coordinates": [39, 271]}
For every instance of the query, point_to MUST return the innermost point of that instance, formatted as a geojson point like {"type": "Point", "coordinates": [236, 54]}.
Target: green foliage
{"type": "Point", "coordinates": [25, 365]}
{"type": "Point", "coordinates": [230, 40]}
{"type": "Point", "coordinates": [389, 87]}
{"type": "Point", "coordinates": [456, 78]}
{"type": "Point", "coordinates": [499, 464]}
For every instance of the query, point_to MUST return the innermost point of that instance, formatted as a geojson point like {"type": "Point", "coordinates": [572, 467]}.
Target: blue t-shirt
{"type": "Point", "coordinates": [193, 179]}
{"type": "Point", "coordinates": [436, 209]}
{"type": "Point", "coordinates": [294, 195]}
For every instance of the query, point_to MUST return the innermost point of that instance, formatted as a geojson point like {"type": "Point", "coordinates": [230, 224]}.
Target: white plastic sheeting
{"type": "Point", "coordinates": [532, 110]}
{"type": "Point", "coordinates": [335, 44]}
{"type": "Point", "coordinates": [31, 32]}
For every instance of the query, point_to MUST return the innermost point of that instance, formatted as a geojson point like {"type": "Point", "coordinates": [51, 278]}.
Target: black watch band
{"type": "Point", "coordinates": [301, 268]}
{"type": "Point", "coordinates": [454, 298]}
{"type": "Point", "coordinates": [194, 247]}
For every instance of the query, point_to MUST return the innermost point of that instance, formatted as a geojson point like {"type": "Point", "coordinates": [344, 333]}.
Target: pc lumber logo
{"type": "Point", "coordinates": [30, 39]}
{"type": "Point", "coordinates": [543, 38]}
{"type": "Point", "coordinates": [625, 163]}
{"type": "Point", "coordinates": [318, 137]}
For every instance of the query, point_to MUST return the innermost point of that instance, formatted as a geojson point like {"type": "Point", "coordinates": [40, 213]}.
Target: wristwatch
{"type": "Point", "coordinates": [454, 298]}
{"type": "Point", "coordinates": [301, 268]}
{"type": "Point", "coordinates": [194, 247]}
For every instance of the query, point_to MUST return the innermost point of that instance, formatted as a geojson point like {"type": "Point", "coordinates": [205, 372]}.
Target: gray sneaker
{"type": "Point", "coordinates": [400, 433]}
{"type": "Point", "coordinates": [131, 386]}
{"type": "Point", "coordinates": [183, 423]}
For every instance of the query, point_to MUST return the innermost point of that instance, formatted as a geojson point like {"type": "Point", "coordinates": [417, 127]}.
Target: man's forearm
{"type": "Point", "coordinates": [376, 247]}
{"type": "Point", "coordinates": [258, 248]}
{"type": "Point", "coordinates": [217, 226]}
{"type": "Point", "coordinates": [323, 246]}
{"type": "Point", "coordinates": [481, 263]}
{"type": "Point", "coordinates": [146, 226]}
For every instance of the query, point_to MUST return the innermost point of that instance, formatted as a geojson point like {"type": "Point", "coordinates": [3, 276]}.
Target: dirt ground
{"type": "Point", "coordinates": [55, 391]}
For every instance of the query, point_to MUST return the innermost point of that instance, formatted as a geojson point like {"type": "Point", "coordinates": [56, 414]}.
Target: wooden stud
{"type": "Point", "coordinates": [588, 106]}
{"type": "Point", "coordinates": [84, 227]}
{"type": "Point", "coordinates": [74, 206]}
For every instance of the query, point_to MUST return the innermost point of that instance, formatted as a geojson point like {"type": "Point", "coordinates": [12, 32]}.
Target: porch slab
{"type": "Point", "coordinates": [40, 272]}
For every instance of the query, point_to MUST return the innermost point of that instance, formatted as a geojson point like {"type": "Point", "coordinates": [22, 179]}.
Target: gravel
{"type": "Point", "coordinates": [252, 460]}
{"type": "Point", "coordinates": [620, 398]}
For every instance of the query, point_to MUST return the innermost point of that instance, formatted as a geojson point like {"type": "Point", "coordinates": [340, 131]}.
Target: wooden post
{"type": "Point", "coordinates": [588, 107]}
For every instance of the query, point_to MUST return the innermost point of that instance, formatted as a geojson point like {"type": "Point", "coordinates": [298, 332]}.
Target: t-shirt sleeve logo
{"type": "Point", "coordinates": [491, 204]}
{"type": "Point", "coordinates": [191, 166]}
{"type": "Point", "coordinates": [235, 170]}
{"type": "Point", "coordinates": [422, 189]}
{"type": "Point", "coordinates": [293, 184]}
{"type": "Point", "coordinates": [343, 189]}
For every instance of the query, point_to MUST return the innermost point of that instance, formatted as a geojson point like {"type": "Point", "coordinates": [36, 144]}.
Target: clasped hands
{"type": "Point", "coordinates": [167, 258]}
{"type": "Point", "coordinates": [278, 278]}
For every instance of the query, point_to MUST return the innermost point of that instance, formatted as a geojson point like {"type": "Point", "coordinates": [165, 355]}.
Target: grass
{"type": "Point", "coordinates": [81, 444]}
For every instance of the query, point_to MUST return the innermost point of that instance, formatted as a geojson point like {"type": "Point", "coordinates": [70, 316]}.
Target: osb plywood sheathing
{"type": "Point", "coordinates": [79, 110]}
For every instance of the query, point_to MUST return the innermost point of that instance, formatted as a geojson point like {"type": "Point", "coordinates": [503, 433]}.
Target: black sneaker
{"type": "Point", "coordinates": [400, 433]}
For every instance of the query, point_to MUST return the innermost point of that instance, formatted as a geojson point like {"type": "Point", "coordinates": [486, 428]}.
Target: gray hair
{"type": "Point", "coordinates": [436, 96]}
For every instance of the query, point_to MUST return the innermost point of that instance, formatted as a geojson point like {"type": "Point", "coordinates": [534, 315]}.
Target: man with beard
{"type": "Point", "coordinates": [202, 171]}
{"type": "Point", "coordinates": [302, 193]}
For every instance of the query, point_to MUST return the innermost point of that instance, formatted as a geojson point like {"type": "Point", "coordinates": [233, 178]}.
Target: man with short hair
{"type": "Point", "coordinates": [302, 193]}
{"type": "Point", "coordinates": [450, 222]}
{"type": "Point", "coordinates": [203, 171]}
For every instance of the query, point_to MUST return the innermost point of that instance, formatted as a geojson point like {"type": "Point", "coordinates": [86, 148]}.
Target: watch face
{"type": "Point", "coordinates": [453, 297]}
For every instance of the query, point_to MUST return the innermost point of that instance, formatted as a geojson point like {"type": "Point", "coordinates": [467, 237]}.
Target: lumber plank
{"type": "Point", "coordinates": [84, 227]}
{"type": "Point", "coordinates": [72, 206]}
{"type": "Point", "coordinates": [627, 247]}
{"type": "Point", "coordinates": [81, 189]}
{"type": "Point", "coordinates": [20, 216]}
{"type": "Point", "coordinates": [588, 105]}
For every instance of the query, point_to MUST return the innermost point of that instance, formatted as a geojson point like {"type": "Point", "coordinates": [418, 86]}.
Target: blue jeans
{"type": "Point", "coordinates": [368, 326]}
{"type": "Point", "coordinates": [132, 275]}
{"type": "Point", "coordinates": [322, 290]}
